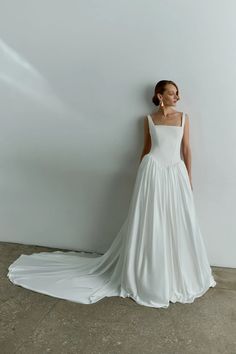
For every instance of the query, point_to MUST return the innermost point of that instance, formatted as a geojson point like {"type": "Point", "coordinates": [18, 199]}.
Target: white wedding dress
{"type": "Point", "coordinates": [157, 257]}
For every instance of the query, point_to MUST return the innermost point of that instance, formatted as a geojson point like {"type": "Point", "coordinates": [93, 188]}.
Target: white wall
{"type": "Point", "coordinates": [76, 79]}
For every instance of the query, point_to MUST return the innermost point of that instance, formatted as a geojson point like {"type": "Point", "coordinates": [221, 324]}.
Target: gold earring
{"type": "Point", "coordinates": [162, 104]}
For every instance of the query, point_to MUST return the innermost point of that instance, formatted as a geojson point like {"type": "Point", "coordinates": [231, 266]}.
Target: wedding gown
{"type": "Point", "coordinates": [158, 255]}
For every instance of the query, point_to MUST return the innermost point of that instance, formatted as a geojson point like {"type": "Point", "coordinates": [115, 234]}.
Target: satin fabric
{"type": "Point", "coordinates": [157, 257]}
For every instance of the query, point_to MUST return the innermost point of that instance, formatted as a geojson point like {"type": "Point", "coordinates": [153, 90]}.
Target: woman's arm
{"type": "Point", "coordinates": [147, 139]}
{"type": "Point", "coordinates": [186, 149]}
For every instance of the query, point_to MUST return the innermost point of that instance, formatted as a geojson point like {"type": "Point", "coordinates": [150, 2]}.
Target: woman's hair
{"type": "Point", "coordinates": [160, 88]}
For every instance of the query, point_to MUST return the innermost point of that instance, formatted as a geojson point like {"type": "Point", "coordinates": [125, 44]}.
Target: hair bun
{"type": "Point", "coordinates": [155, 100]}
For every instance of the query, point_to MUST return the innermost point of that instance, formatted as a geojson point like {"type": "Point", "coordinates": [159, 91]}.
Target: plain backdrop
{"type": "Point", "coordinates": [76, 81]}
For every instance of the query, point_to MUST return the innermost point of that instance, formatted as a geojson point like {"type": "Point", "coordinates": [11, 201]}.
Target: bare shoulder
{"type": "Point", "coordinates": [186, 119]}
{"type": "Point", "coordinates": [186, 116]}
{"type": "Point", "coordinates": [145, 121]}
{"type": "Point", "coordinates": [146, 125]}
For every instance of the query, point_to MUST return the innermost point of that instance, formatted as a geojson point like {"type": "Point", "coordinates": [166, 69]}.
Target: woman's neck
{"type": "Point", "coordinates": [165, 111]}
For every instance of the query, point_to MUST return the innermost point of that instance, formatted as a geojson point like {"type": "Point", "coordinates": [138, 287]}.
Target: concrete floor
{"type": "Point", "coordinates": [36, 324]}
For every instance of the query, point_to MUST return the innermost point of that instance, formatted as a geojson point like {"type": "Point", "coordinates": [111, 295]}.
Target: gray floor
{"type": "Point", "coordinates": [35, 323]}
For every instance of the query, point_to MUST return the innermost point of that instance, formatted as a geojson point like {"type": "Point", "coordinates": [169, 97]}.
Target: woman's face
{"type": "Point", "coordinates": [169, 96]}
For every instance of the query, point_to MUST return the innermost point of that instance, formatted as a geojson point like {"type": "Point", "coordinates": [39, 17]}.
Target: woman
{"type": "Point", "coordinates": [159, 255]}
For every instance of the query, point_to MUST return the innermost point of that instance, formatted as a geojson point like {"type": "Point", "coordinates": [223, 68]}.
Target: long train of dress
{"type": "Point", "coordinates": [158, 255]}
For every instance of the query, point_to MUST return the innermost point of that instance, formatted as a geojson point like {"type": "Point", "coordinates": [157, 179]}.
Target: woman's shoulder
{"type": "Point", "coordinates": [186, 115]}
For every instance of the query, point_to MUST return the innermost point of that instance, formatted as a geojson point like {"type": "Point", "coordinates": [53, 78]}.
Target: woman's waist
{"type": "Point", "coordinates": [164, 158]}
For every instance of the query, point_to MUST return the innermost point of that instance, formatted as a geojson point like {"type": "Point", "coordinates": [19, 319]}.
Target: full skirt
{"type": "Point", "coordinates": [157, 257]}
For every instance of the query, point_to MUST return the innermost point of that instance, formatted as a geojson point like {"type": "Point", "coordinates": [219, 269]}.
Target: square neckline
{"type": "Point", "coordinates": [166, 125]}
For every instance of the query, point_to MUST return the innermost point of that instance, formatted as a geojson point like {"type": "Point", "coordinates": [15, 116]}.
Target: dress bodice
{"type": "Point", "coordinates": [166, 141]}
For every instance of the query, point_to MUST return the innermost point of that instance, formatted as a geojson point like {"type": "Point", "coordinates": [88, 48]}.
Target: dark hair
{"type": "Point", "coordinates": [160, 88]}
